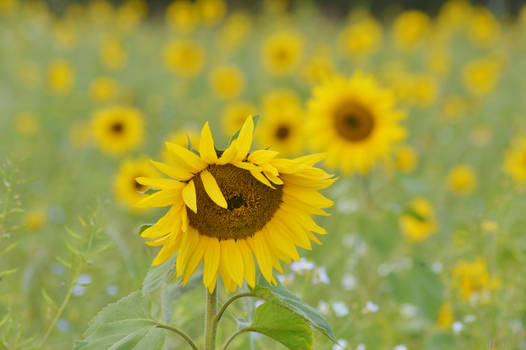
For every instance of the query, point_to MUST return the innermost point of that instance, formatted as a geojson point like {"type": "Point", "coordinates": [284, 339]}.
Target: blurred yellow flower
{"type": "Point", "coordinates": [130, 14]}
{"type": "Point", "coordinates": [483, 27]}
{"type": "Point", "coordinates": [180, 138]}
{"type": "Point", "coordinates": [127, 189]}
{"type": "Point", "coordinates": [462, 179]}
{"type": "Point", "coordinates": [227, 81]}
{"type": "Point", "coordinates": [489, 226]}
{"type": "Point", "coordinates": [282, 51]}
{"type": "Point", "coordinates": [445, 316]}
{"type": "Point", "coordinates": [100, 11]}
{"type": "Point", "coordinates": [454, 15]}
{"type": "Point", "coordinates": [185, 58]}
{"type": "Point", "coordinates": [319, 67]}
{"type": "Point", "coordinates": [234, 115]}
{"type": "Point", "coordinates": [423, 90]}
{"type": "Point", "coordinates": [211, 12]}
{"type": "Point", "coordinates": [80, 134]}
{"type": "Point", "coordinates": [282, 124]}
{"type": "Point", "coordinates": [411, 29]}
{"type": "Point", "coordinates": [26, 124]}
{"type": "Point", "coordinates": [480, 76]}
{"type": "Point", "coordinates": [235, 31]}
{"type": "Point", "coordinates": [515, 160]}
{"type": "Point", "coordinates": [60, 77]}
{"type": "Point", "coordinates": [112, 54]}
{"type": "Point", "coordinates": [354, 121]}
{"type": "Point", "coordinates": [103, 89]}
{"type": "Point", "coordinates": [472, 280]}
{"type": "Point", "coordinates": [182, 16]}
{"type": "Point", "coordinates": [362, 38]}
{"type": "Point", "coordinates": [419, 221]}
{"type": "Point", "coordinates": [7, 6]}
{"type": "Point", "coordinates": [439, 61]}
{"type": "Point", "coordinates": [405, 159]}
{"type": "Point", "coordinates": [34, 219]}
{"type": "Point", "coordinates": [117, 129]}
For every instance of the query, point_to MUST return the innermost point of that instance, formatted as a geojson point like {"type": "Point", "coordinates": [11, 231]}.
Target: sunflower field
{"type": "Point", "coordinates": [311, 180]}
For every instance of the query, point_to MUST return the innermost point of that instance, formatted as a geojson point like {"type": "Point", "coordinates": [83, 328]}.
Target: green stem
{"type": "Point", "coordinates": [210, 316]}
{"type": "Point", "coordinates": [60, 309]}
{"type": "Point", "coordinates": [229, 340]}
{"type": "Point", "coordinates": [230, 301]}
{"type": "Point", "coordinates": [180, 332]}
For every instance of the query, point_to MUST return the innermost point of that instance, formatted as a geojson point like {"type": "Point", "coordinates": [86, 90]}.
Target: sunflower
{"type": "Point", "coordinates": [60, 77]}
{"type": "Point", "coordinates": [282, 52]}
{"type": "Point", "coordinates": [127, 189]}
{"type": "Point", "coordinates": [227, 206]}
{"type": "Point", "coordinates": [355, 121]}
{"type": "Point", "coordinates": [186, 58]}
{"type": "Point", "coordinates": [480, 76]}
{"type": "Point", "coordinates": [362, 38]}
{"type": "Point", "coordinates": [419, 222]}
{"type": "Point", "coordinates": [103, 89]}
{"type": "Point", "coordinates": [181, 138]}
{"type": "Point", "coordinates": [462, 180]}
{"type": "Point", "coordinates": [411, 29]}
{"type": "Point", "coordinates": [117, 129]}
{"type": "Point", "coordinates": [112, 55]}
{"type": "Point", "coordinates": [227, 81]}
{"type": "Point", "coordinates": [515, 160]}
{"type": "Point", "coordinates": [283, 127]}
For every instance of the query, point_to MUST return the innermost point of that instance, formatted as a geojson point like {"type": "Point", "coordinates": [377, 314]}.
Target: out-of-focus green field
{"type": "Point", "coordinates": [460, 77]}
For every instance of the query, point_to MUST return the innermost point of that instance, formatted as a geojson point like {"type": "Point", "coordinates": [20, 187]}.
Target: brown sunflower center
{"type": "Point", "coordinates": [251, 204]}
{"type": "Point", "coordinates": [353, 121]}
{"type": "Point", "coordinates": [282, 132]}
{"type": "Point", "coordinates": [117, 127]}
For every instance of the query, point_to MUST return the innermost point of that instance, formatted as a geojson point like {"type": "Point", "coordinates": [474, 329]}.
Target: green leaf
{"type": "Point", "coordinates": [282, 325]}
{"type": "Point", "coordinates": [281, 296]}
{"type": "Point", "coordinates": [126, 324]}
{"type": "Point", "coordinates": [151, 191]}
{"type": "Point", "coordinates": [7, 272]}
{"type": "Point", "coordinates": [157, 275]}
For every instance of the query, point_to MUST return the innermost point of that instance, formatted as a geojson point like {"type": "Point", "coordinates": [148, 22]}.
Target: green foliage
{"type": "Point", "coordinates": [282, 297]}
{"type": "Point", "coordinates": [126, 324]}
{"type": "Point", "coordinates": [282, 325]}
{"type": "Point", "coordinates": [159, 275]}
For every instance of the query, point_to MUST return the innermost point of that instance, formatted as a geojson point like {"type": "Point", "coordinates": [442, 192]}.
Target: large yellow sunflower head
{"type": "Point", "coordinates": [354, 121]}
{"type": "Point", "coordinates": [225, 207]}
{"type": "Point", "coordinates": [117, 129]}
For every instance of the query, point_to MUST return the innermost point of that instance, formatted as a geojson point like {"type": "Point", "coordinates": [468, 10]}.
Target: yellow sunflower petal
{"type": "Point", "coordinates": [194, 162]}
{"type": "Point", "coordinates": [259, 247]}
{"type": "Point", "coordinates": [235, 266]}
{"type": "Point", "coordinates": [195, 259]}
{"type": "Point", "coordinates": [173, 171]}
{"type": "Point", "coordinates": [261, 178]}
{"type": "Point", "coordinates": [244, 140]}
{"type": "Point", "coordinates": [229, 154]}
{"type": "Point", "coordinates": [188, 243]}
{"type": "Point", "coordinates": [162, 198]}
{"type": "Point", "coordinates": [212, 189]}
{"type": "Point", "coordinates": [189, 196]}
{"type": "Point", "coordinates": [160, 183]}
{"type": "Point", "coordinates": [261, 156]}
{"type": "Point", "coordinates": [248, 262]}
{"type": "Point", "coordinates": [163, 226]}
{"type": "Point", "coordinates": [206, 145]}
{"type": "Point", "coordinates": [211, 262]}
{"type": "Point", "coordinates": [165, 253]}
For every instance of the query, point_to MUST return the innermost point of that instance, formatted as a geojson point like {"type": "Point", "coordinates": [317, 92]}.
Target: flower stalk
{"type": "Point", "coordinates": [210, 319]}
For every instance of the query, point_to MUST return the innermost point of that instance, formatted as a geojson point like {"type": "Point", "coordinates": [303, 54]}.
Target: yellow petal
{"type": "Point", "coordinates": [206, 145]}
{"type": "Point", "coordinates": [211, 261]}
{"type": "Point", "coordinates": [195, 259]}
{"type": "Point", "coordinates": [173, 171]}
{"type": "Point", "coordinates": [244, 140]}
{"type": "Point", "coordinates": [282, 244]}
{"type": "Point", "coordinates": [273, 178]}
{"type": "Point", "coordinates": [212, 189]}
{"type": "Point", "coordinates": [162, 198]}
{"type": "Point", "coordinates": [189, 196]}
{"type": "Point", "coordinates": [188, 243]}
{"type": "Point", "coordinates": [262, 156]}
{"type": "Point", "coordinates": [163, 226]}
{"type": "Point", "coordinates": [160, 183]}
{"type": "Point", "coordinates": [165, 253]}
{"type": "Point", "coordinates": [260, 249]}
{"type": "Point", "coordinates": [261, 178]}
{"type": "Point", "coordinates": [188, 157]}
{"type": "Point", "coordinates": [229, 154]}
{"type": "Point", "coordinates": [248, 262]}
{"type": "Point", "coordinates": [234, 265]}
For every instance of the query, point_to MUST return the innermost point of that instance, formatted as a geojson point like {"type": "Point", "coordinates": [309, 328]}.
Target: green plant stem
{"type": "Point", "coordinates": [61, 308]}
{"type": "Point", "coordinates": [210, 316]}
{"type": "Point", "coordinates": [180, 332]}
{"type": "Point", "coordinates": [241, 331]}
{"type": "Point", "coordinates": [230, 301]}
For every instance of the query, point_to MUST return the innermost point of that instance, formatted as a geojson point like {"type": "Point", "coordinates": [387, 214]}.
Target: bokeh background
{"type": "Point", "coordinates": [425, 251]}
